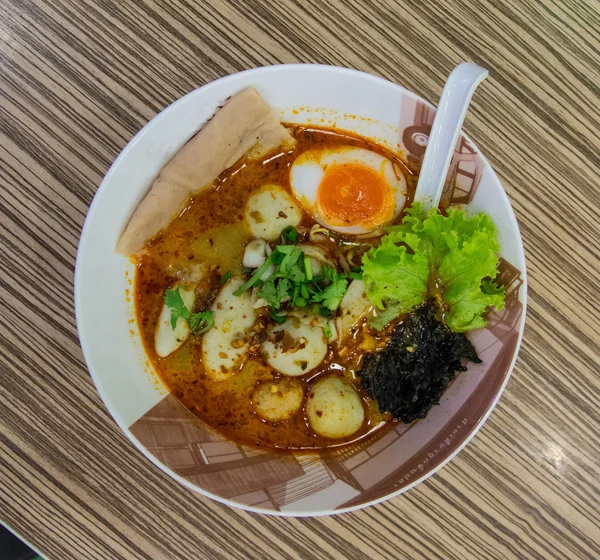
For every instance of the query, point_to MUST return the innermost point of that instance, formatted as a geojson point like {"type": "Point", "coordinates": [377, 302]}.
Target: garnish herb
{"type": "Point", "coordinates": [308, 268]}
{"type": "Point", "coordinates": [293, 281]}
{"type": "Point", "coordinates": [175, 304]}
{"type": "Point", "coordinates": [201, 322]}
{"type": "Point", "coordinates": [255, 278]}
{"type": "Point", "coordinates": [278, 317]}
{"type": "Point", "coordinates": [198, 322]}
{"type": "Point", "coordinates": [356, 273]}
{"type": "Point", "coordinates": [386, 316]}
{"type": "Point", "coordinates": [452, 258]}
{"type": "Point", "coordinates": [289, 234]}
{"type": "Point", "coordinates": [225, 278]}
{"type": "Point", "coordinates": [274, 292]}
{"type": "Point", "coordinates": [332, 295]}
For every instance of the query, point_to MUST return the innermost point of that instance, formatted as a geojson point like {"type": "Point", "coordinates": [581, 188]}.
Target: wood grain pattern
{"type": "Point", "coordinates": [80, 77]}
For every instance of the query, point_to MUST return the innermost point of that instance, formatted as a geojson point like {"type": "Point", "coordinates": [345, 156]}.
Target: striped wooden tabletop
{"type": "Point", "coordinates": [80, 77]}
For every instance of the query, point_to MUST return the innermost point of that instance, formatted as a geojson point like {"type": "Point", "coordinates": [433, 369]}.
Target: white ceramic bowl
{"type": "Point", "coordinates": [161, 428]}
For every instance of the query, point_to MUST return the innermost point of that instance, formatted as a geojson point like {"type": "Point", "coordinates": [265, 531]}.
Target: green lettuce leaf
{"type": "Point", "coordinates": [430, 255]}
{"type": "Point", "coordinates": [393, 274]}
{"type": "Point", "coordinates": [385, 317]}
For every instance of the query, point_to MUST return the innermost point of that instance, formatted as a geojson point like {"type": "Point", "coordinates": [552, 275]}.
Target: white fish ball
{"type": "Point", "coordinates": [334, 408]}
{"type": "Point", "coordinates": [269, 211]}
{"type": "Point", "coordinates": [278, 400]}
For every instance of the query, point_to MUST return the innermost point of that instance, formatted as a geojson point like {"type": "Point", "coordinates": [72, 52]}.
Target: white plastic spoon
{"type": "Point", "coordinates": [446, 127]}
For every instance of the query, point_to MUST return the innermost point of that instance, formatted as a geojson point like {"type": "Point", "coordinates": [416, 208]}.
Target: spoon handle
{"type": "Point", "coordinates": [446, 127]}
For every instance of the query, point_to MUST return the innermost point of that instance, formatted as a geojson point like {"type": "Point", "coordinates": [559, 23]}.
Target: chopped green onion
{"type": "Point", "coordinates": [300, 302]}
{"type": "Point", "coordinates": [255, 278]}
{"type": "Point", "coordinates": [225, 278]}
{"type": "Point", "coordinates": [304, 291]}
{"type": "Point", "coordinates": [289, 234]}
{"type": "Point", "coordinates": [201, 322]}
{"type": "Point", "coordinates": [327, 330]}
{"type": "Point", "coordinates": [278, 317]}
{"type": "Point", "coordinates": [308, 268]}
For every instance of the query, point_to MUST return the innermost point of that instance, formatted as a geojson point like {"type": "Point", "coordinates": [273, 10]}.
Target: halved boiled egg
{"type": "Point", "coordinates": [346, 189]}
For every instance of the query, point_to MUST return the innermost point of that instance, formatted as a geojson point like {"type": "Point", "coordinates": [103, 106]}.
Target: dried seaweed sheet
{"type": "Point", "coordinates": [423, 356]}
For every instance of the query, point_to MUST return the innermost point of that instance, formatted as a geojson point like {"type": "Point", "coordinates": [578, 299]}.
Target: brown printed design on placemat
{"type": "Point", "coordinates": [466, 167]}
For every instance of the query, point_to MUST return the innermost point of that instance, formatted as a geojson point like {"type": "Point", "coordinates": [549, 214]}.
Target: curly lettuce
{"type": "Point", "coordinates": [451, 257]}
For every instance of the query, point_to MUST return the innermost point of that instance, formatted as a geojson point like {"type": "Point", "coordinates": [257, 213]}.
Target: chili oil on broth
{"type": "Point", "coordinates": [210, 232]}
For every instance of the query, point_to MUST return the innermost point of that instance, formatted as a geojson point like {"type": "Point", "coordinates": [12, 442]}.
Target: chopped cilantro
{"type": "Point", "coordinates": [175, 304]}
{"type": "Point", "coordinates": [198, 322]}
{"type": "Point", "coordinates": [275, 292]}
{"type": "Point", "coordinates": [289, 234]}
{"type": "Point", "coordinates": [332, 295]}
{"type": "Point", "coordinates": [201, 322]}
{"type": "Point", "coordinates": [294, 285]}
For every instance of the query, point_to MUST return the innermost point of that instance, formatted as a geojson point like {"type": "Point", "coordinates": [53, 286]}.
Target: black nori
{"type": "Point", "coordinates": [423, 356]}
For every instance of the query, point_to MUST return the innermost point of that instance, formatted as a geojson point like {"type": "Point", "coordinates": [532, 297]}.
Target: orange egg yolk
{"type": "Point", "coordinates": [354, 195]}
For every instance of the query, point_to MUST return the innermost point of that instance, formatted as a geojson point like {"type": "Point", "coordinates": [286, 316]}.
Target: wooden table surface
{"type": "Point", "coordinates": [80, 77]}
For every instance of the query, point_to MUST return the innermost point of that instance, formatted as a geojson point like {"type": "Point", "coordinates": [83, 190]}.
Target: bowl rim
{"type": "Point", "coordinates": [84, 341]}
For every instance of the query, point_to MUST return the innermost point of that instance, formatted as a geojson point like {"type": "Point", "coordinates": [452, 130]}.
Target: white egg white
{"type": "Point", "coordinates": [309, 169]}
